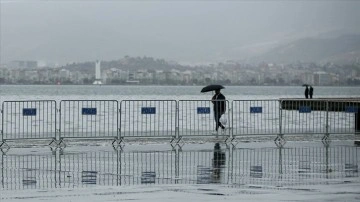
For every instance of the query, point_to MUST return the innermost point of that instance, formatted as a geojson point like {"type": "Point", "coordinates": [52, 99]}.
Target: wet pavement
{"type": "Point", "coordinates": [252, 164]}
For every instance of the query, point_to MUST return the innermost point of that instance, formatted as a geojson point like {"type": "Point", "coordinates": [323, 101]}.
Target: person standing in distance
{"type": "Point", "coordinates": [306, 92]}
{"type": "Point", "coordinates": [219, 103]}
{"type": "Point", "coordinates": [311, 91]}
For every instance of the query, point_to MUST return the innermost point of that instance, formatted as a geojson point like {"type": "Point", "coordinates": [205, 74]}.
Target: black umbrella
{"type": "Point", "coordinates": [305, 85]}
{"type": "Point", "coordinates": [211, 88]}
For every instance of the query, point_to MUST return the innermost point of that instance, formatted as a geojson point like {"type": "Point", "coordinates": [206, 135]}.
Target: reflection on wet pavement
{"type": "Point", "coordinates": [22, 168]}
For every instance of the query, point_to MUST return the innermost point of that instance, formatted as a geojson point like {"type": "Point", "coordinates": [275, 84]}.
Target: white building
{"type": "Point", "coordinates": [64, 73]}
{"type": "Point", "coordinates": [97, 73]}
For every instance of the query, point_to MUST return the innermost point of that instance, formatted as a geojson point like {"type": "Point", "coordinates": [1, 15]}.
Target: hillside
{"type": "Point", "coordinates": [342, 50]}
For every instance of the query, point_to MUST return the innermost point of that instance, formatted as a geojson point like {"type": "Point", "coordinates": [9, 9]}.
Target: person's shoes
{"type": "Point", "coordinates": [224, 129]}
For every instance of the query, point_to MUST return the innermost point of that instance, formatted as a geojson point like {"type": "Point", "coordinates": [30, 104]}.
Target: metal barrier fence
{"type": "Point", "coordinates": [342, 117]}
{"type": "Point", "coordinates": [303, 119]}
{"type": "Point", "coordinates": [199, 117]}
{"type": "Point", "coordinates": [176, 119]}
{"type": "Point", "coordinates": [89, 119]}
{"type": "Point", "coordinates": [255, 117]}
{"type": "Point", "coordinates": [148, 118]}
{"type": "Point", "coordinates": [29, 120]}
{"type": "Point", "coordinates": [318, 117]}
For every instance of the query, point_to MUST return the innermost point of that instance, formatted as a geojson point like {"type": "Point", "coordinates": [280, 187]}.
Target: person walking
{"type": "Point", "coordinates": [219, 103]}
{"type": "Point", "coordinates": [311, 91]}
{"type": "Point", "coordinates": [306, 92]}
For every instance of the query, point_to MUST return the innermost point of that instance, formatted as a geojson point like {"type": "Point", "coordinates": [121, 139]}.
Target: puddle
{"type": "Point", "coordinates": [253, 166]}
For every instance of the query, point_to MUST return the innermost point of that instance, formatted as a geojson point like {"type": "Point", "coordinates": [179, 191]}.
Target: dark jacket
{"type": "Point", "coordinates": [219, 102]}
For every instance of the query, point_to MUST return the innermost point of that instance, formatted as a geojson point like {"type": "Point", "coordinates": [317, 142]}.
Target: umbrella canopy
{"type": "Point", "coordinates": [305, 85]}
{"type": "Point", "coordinates": [211, 88]}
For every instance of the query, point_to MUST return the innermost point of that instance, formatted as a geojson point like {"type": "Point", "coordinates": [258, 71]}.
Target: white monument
{"type": "Point", "coordinates": [97, 74]}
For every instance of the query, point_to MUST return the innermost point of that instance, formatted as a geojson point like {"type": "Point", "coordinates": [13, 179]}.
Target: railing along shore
{"type": "Point", "coordinates": [112, 119]}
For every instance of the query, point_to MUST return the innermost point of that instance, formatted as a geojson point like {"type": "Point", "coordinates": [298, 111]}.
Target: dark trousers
{"type": "Point", "coordinates": [217, 116]}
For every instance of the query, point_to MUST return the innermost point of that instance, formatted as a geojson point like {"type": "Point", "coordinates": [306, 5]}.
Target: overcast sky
{"type": "Point", "coordinates": [183, 31]}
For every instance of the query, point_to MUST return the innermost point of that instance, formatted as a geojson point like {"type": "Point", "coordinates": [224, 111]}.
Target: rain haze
{"type": "Point", "coordinates": [189, 32]}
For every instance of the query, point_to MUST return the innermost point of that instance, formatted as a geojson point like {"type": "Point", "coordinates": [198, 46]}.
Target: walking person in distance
{"type": "Point", "coordinates": [219, 103]}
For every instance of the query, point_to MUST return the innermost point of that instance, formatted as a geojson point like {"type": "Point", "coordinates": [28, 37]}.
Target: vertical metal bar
{"type": "Point", "coordinates": [327, 118]}
{"type": "Point", "coordinates": [177, 121]}
{"type": "Point", "coordinates": [54, 125]}
{"type": "Point", "coordinates": [133, 112]}
{"type": "Point", "coordinates": [37, 107]}
{"type": "Point", "coordinates": [59, 136]}
{"type": "Point", "coordinates": [44, 118]}
{"type": "Point", "coordinates": [280, 117]}
{"type": "Point", "coordinates": [108, 130]}
{"type": "Point", "coordinates": [164, 115]}
{"type": "Point", "coordinates": [92, 131]}
{"type": "Point", "coordinates": [2, 122]}
{"type": "Point", "coordinates": [20, 114]}
{"type": "Point", "coordinates": [143, 124]}
{"type": "Point", "coordinates": [119, 122]}
{"type": "Point", "coordinates": [123, 113]}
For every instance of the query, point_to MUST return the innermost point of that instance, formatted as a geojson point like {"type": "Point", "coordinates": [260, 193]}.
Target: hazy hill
{"type": "Point", "coordinates": [343, 49]}
{"type": "Point", "coordinates": [126, 63]}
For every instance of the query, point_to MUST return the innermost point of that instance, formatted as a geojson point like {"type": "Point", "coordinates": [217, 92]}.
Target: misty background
{"type": "Point", "coordinates": [187, 32]}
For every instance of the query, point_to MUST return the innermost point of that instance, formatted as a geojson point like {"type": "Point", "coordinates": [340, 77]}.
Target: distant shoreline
{"type": "Point", "coordinates": [140, 84]}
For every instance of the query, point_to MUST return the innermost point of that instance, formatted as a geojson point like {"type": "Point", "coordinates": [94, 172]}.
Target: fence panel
{"type": "Point", "coordinates": [304, 116]}
{"type": "Point", "coordinates": [197, 118]}
{"type": "Point", "coordinates": [29, 119]}
{"type": "Point", "coordinates": [89, 119]}
{"type": "Point", "coordinates": [341, 117]}
{"type": "Point", "coordinates": [148, 118]}
{"type": "Point", "coordinates": [255, 117]}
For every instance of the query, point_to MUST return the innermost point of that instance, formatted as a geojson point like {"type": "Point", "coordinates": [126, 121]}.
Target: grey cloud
{"type": "Point", "coordinates": [184, 31]}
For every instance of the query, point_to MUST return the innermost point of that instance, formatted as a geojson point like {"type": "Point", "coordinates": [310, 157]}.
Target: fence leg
{"type": "Point", "coordinates": [57, 143]}
{"type": "Point", "coordinates": [326, 137]}
{"type": "Point", "coordinates": [4, 147]}
{"type": "Point", "coordinates": [280, 140]}
{"type": "Point", "coordinates": [326, 140]}
{"type": "Point", "coordinates": [118, 142]}
{"type": "Point", "coordinates": [177, 142]}
{"type": "Point", "coordinates": [172, 139]}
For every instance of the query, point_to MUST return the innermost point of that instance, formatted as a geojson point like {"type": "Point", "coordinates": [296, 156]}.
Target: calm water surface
{"type": "Point", "coordinates": [62, 92]}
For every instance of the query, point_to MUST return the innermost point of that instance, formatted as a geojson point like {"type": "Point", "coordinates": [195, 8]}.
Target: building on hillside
{"type": "Point", "coordinates": [23, 64]}
{"type": "Point", "coordinates": [322, 78]}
